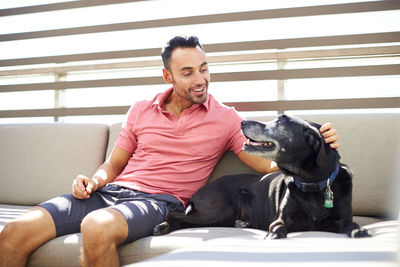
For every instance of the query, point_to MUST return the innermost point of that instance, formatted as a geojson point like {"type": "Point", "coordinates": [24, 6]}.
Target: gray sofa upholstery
{"type": "Point", "coordinates": [39, 161]}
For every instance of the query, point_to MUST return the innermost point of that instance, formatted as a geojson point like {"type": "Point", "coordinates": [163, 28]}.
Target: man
{"type": "Point", "coordinates": [166, 150]}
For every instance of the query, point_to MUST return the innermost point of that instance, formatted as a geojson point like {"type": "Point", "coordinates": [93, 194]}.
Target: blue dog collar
{"type": "Point", "coordinates": [315, 187]}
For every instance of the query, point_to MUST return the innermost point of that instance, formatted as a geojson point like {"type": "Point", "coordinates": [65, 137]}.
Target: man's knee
{"type": "Point", "coordinates": [27, 232]}
{"type": "Point", "coordinates": [10, 233]}
{"type": "Point", "coordinates": [104, 226]}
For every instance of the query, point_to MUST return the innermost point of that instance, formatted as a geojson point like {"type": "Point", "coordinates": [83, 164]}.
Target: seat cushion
{"type": "Point", "coordinates": [299, 249]}
{"type": "Point", "coordinates": [64, 250]}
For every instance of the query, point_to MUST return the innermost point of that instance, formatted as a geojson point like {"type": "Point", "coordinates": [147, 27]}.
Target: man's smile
{"type": "Point", "coordinates": [199, 91]}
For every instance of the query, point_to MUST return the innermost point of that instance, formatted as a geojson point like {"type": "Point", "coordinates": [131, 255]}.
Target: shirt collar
{"type": "Point", "coordinates": [161, 97]}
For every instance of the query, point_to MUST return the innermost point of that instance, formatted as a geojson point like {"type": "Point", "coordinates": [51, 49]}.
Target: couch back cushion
{"type": "Point", "coordinates": [40, 161]}
{"type": "Point", "coordinates": [369, 146]}
{"type": "Point", "coordinates": [114, 134]}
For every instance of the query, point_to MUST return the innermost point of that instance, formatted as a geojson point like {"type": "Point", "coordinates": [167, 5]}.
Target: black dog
{"type": "Point", "coordinates": [311, 192]}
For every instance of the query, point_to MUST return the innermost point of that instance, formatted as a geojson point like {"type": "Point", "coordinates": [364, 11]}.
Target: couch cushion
{"type": "Point", "coordinates": [39, 161]}
{"type": "Point", "coordinates": [114, 133]}
{"type": "Point", "coordinates": [229, 164]}
{"type": "Point", "coordinates": [64, 250]}
{"type": "Point", "coordinates": [246, 247]}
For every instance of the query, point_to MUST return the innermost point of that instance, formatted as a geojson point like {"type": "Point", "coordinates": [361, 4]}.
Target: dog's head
{"type": "Point", "coordinates": [295, 145]}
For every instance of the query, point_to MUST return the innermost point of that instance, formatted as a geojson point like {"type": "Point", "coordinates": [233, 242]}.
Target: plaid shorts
{"type": "Point", "coordinates": [142, 211]}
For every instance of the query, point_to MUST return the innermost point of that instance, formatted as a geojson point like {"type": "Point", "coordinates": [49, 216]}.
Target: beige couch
{"type": "Point", "coordinates": [39, 161]}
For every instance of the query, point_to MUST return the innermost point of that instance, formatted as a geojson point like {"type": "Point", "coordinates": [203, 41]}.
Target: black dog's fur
{"type": "Point", "coordinates": [274, 202]}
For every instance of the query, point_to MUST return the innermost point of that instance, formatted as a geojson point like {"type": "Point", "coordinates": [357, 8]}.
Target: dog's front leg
{"type": "Point", "coordinates": [346, 226]}
{"type": "Point", "coordinates": [355, 231]}
{"type": "Point", "coordinates": [277, 228]}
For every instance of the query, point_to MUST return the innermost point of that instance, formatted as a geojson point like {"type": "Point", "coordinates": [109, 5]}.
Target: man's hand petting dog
{"type": "Point", "coordinates": [311, 192]}
{"type": "Point", "coordinates": [330, 135]}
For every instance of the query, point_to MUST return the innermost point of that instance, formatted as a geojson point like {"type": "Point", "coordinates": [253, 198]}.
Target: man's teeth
{"type": "Point", "coordinates": [198, 90]}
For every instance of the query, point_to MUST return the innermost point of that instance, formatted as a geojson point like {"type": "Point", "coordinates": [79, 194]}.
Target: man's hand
{"type": "Point", "coordinates": [82, 187]}
{"type": "Point", "coordinates": [329, 135]}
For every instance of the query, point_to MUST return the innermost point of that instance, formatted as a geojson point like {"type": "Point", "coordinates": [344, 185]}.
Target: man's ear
{"type": "Point", "coordinates": [167, 76]}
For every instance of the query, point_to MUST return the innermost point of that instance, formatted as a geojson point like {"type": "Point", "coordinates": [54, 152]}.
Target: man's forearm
{"type": "Point", "coordinates": [259, 164]}
{"type": "Point", "coordinates": [113, 167]}
{"type": "Point", "coordinates": [105, 174]}
{"type": "Point", "coordinates": [273, 167]}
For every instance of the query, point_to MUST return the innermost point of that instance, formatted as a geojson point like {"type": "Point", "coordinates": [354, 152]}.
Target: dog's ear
{"type": "Point", "coordinates": [321, 156]}
{"type": "Point", "coordinates": [315, 140]}
{"type": "Point", "coordinates": [312, 138]}
{"type": "Point", "coordinates": [316, 125]}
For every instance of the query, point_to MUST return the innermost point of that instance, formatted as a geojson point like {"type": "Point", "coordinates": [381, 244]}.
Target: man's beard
{"type": "Point", "coordinates": [198, 97]}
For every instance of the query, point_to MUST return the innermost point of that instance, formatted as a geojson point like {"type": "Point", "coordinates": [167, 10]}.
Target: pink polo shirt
{"type": "Point", "coordinates": [174, 155]}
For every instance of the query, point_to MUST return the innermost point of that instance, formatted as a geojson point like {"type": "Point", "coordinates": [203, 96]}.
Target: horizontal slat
{"type": "Point", "coordinates": [59, 6]}
{"type": "Point", "coordinates": [359, 103]}
{"type": "Point", "coordinates": [354, 103]}
{"type": "Point", "coordinates": [60, 112]}
{"type": "Point", "coordinates": [82, 84]}
{"type": "Point", "coordinates": [285, 74]}
{"type": "Point", "coordinates": [306, 54]}
{"type": "Point", "coordinates": [213, 18]}
{"type": "Point", "coordinates": [354, 39]}
{"type": "Point", "coordinates": [85, 57]}
{"type": "Point", "coordinates": [376, 70]}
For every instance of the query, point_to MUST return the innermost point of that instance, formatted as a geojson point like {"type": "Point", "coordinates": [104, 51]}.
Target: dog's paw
{"type": "Point", "coordinates": [277, 230]}
{"type": "Point", "coordinates": [359, 233]}
{"type": "Point", "coordinates": [161, 229]}
{"type": "Point", "coordinates": [241, 224]}
{"type": "Point", "coordinates": [278, 234]}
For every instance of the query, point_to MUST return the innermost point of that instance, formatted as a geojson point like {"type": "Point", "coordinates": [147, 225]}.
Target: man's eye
{"type": "Point", "coordinates": [204, 70]}
{"type": "Point", "coordinates": [187, 74]}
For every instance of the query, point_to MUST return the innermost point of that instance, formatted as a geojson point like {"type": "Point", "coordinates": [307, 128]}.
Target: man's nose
{"type": "Point", "coordinates": [200, 78]}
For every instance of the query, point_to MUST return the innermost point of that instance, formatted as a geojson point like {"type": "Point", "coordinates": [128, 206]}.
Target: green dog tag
{"type": "Point", "coordinates": [328, 203]}
{"type": "Point", "coordinates": [328, 198]}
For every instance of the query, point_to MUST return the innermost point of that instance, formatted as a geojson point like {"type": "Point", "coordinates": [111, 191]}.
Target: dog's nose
{"type": "Point", "coordinates": [244, 123]}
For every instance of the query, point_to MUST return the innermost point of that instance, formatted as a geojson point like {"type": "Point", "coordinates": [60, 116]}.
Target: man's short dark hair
{"type": "Point", "coordinates": [178, 41]}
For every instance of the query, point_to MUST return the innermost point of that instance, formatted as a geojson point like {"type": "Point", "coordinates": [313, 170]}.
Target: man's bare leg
{"type": "Point", "coordinates": [21, 237]}
{"type": "Point", "coordinates": [102, 231]}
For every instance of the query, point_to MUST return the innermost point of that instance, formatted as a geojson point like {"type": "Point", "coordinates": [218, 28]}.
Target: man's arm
{"type": "Point", "coordinates": [259, 164]}
{"type": "Point", "coordinates": [82, 187]}
{"type": "Point", "coordinates": [263, 165]}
